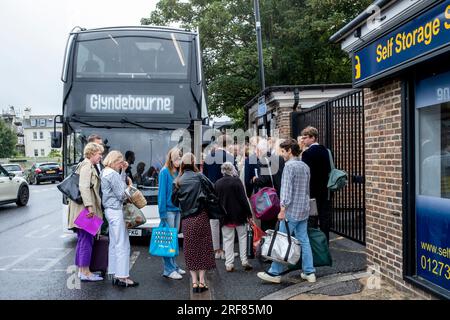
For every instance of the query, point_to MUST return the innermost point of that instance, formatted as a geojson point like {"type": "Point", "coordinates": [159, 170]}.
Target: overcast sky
{"type": "Point", "coordinates": [33, 36]}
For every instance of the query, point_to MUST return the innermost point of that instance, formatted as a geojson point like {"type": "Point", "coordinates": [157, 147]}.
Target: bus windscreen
{"type": "Point", "coordinates": [133, 57]}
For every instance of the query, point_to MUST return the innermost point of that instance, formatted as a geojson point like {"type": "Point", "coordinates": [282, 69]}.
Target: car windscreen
{"type": "Point", "coordinates": [12, 168]}
{"type": "Point", "coordinates": [126, 57]}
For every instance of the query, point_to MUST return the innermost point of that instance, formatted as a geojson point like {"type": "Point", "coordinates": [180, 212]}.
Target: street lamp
{"type": "Point", "coordinates": [260, 58]}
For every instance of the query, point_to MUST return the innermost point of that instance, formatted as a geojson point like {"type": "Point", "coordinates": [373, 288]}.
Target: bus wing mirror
{"type": "Point", "coordinates": [56, 139]}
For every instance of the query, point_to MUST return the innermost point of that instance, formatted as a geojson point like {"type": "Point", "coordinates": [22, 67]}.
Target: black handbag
{"type": "Point", "coordinates": [70, 187]}
{"type": "Point", "coordinates": [212, 204]}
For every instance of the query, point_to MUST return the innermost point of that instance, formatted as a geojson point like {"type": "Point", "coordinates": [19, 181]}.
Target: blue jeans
{"type": "Point", "coordinates": [170, 265]}
{"type": "Point", "coordinates": [299, 229]}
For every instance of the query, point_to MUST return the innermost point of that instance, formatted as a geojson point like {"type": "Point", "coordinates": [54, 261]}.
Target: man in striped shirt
{"type": "Point", "coordinates": [294, 201]}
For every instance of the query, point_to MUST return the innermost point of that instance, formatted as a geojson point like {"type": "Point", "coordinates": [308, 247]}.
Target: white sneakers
{"type": "Point", "coordinates": [175, 276]}
{"type": "Point", "coordinates": [267, 277]}
{"type": "Point", "coordinates": [308, 277]}
{"type": "Point", "coordinates": [181, 271]}
{"type": "Point", "coordinates": [277, 279]}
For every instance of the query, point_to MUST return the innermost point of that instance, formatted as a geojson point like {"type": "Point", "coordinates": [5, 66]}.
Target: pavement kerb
{"type": "Point", "coordinates": [304, 287]}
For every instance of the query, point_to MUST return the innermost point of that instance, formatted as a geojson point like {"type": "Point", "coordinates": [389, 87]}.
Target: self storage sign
{"type": "Point", "coordinates": [417, 38]}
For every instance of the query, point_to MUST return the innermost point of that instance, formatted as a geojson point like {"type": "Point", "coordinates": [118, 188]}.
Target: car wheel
{"type": "Point", "coordinates": [53, 181]}
{"type": "Point", "coordinates": [36, 180]}
{"type": "Point", "coordinates": [23, 196]}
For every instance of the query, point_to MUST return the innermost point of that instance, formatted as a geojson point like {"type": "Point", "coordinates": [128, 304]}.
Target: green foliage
{"type": "Point", "coordinates": [295, 36]}
{"type": "Point", "coordinates": [54, 153]}
{"type": "Point", "coordinates": [8, 141]}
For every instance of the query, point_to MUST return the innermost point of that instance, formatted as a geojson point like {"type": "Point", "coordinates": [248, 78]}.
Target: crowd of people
{"type": "Point", "coordinates": [297, 169]}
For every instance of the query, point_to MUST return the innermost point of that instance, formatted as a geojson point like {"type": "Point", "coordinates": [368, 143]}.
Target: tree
{"type": "Point", "coordinates": [295, 36]}
{"type": "Point", "coordinates": [8, 140]}
{"type": "Point", "coordinates": [54, 153]}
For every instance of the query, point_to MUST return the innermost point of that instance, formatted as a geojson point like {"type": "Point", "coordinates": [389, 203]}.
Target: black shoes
{"type": "Point", "coordinates": [125, 284]}
{"type": "Point", "coordinates": [199, 287]}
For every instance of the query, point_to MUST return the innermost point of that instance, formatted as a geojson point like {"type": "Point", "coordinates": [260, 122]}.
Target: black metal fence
{"type": "Point", "coordinates": [340, 122]}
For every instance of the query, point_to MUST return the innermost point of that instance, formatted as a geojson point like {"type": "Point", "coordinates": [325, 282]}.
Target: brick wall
{"type": "Point", "coordinates": [383, 142]}
{"type": "Point", "coordinates": [283, 121]}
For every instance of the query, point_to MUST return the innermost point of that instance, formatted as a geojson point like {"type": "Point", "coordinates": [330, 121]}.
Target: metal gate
{"type": "Point", "coordinates": [340, 122]}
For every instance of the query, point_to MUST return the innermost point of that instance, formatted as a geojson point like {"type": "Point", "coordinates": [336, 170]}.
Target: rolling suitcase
{"type": "Point", "coordinates": [99, 258]}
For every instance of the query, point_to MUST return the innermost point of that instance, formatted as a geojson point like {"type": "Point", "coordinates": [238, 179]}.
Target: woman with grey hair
{"type": "Point", "coordinates": [233, 198]}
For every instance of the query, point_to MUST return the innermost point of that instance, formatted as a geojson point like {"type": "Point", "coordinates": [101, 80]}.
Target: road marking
{"type": "Point", "coordinates": [40, 233]}
{"type": "Point", "coordinates": [53, 261]}
{"type": "Point", "coordinates": [20, 259]}
{"type": "Point", "coordinates": [133, 258]}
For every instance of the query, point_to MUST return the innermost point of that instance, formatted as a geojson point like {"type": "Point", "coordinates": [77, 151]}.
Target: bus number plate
{"type": "Point", "coordinates": [135, 232]}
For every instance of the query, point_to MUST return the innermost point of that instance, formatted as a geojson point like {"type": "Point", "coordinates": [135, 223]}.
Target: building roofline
{"type": "Point", "coordinates": [352, 25]}
{"type": "Point", "coordinates": [299, 87]}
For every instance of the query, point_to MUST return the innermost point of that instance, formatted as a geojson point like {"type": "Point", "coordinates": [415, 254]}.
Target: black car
{"type": "Point", "coordinates": [46, 171]}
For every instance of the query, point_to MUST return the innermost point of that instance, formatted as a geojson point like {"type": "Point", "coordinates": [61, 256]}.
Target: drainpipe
{"type": "Point", "coordinates": [296, 99]}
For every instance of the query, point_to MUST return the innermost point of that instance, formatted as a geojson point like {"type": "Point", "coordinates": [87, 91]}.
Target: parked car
{"type": "Point", "coordinates": [13, 188]}
{"type": "Point", "coordinates": [14, 168]}
{"type": "Point", "coordinates": [46, 171]}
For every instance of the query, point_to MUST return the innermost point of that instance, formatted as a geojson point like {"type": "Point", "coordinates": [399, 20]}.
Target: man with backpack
{"type": "Point", "coordinates": [317, 158]}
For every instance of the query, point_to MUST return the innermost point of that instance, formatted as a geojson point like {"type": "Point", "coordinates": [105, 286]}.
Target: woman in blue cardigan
{"type": "Point", "coordinates": [168, 213]}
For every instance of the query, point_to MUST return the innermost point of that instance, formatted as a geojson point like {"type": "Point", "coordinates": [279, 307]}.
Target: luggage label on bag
{"type": "Point", "coordinates": [267, 199]}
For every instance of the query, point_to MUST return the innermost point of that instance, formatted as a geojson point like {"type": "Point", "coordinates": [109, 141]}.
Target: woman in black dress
{"type": "Point", "coordinates": [188, 194]}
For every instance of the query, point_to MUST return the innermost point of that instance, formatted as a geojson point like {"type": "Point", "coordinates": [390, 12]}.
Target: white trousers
{"type": "Point", "coordinates": [228, 244]}
{"type": "Point", "coordinates": [119, 244]}
{"type": "Point", "coordinates": [215, 233]}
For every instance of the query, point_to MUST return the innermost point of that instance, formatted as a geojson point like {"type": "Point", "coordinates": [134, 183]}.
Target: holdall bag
{"type": "Point", "coordinates": [164, 241]}
{"type": "Point", "coordinates": [337, 179]}
{"type": "Point", "coordinates": [70, 186]}
{"type": "Point", "coordinates": [136, 197]}
{"type": "Point", "coordinates": [265, 203]}
{"type": "Point", "coordinates": [320, 250]}
{"type": "Point", "coordinates": [133, 216]}
{"type": "Point", "coordinates": [278, 246]}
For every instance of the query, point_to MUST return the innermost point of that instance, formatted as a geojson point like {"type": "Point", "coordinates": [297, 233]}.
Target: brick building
{"type": "Point", "coordinates": [401, 57]}
{"type": "Point", "coordinates": [280, 101]}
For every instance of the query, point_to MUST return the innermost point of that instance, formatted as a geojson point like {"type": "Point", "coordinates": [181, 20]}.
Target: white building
{"type": "Point", "coordinates": [37, 131]}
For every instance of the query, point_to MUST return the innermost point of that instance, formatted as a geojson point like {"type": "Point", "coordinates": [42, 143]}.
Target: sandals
{"type": "Point", "coordinates": [202, 287]}
{"type": "Point", "coordinates": [199, 287]}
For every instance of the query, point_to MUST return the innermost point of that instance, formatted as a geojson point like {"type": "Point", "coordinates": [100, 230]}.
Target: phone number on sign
{"type": "Point", "coordinates": [436, 267]}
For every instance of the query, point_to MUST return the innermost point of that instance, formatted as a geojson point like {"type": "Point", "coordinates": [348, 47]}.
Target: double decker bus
{"type": "Point", "coordinates": [133, 86]}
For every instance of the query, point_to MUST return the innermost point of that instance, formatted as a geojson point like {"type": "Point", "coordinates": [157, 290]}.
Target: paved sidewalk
{"type": "Point", "coordinates": [347, 279]}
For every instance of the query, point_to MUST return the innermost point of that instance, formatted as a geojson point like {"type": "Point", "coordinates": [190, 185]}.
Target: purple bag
{"type": "Point", "coordinates": [265, 203]}
{"type": "Point", "coordinates": [91, 225]}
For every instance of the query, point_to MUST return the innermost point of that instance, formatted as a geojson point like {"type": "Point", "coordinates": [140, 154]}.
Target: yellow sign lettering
{"type": "Point", "coordinates": [398, 42]}
{"type": "Point", "coordinates": [436, 26]}
{"type": "Point", "coordinates": [447, 16]}
{"type": "Point", "coordinates": [358, 68]}
{"type": "Point", "coordinates": [379, 47]}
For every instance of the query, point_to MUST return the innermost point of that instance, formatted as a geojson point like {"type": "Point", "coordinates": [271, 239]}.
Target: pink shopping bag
{"type": "Point", "coordinates": [91, 225]}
